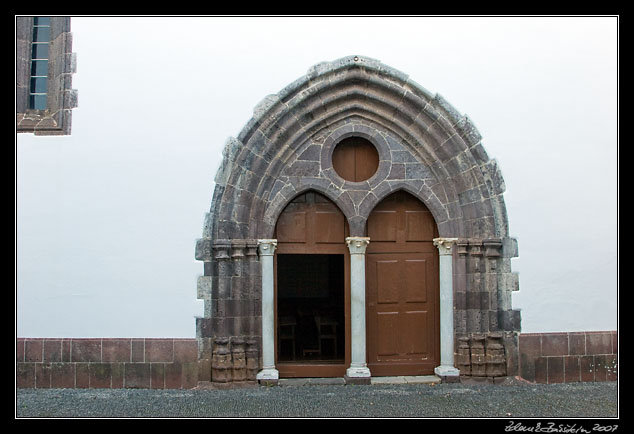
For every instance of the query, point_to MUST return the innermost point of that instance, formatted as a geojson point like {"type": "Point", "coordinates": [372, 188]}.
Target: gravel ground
{"type": "Point", "coordinates": [572, 400]}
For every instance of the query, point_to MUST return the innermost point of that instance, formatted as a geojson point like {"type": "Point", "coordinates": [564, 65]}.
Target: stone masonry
{"type": "Point", "coordinates": [425, 148]}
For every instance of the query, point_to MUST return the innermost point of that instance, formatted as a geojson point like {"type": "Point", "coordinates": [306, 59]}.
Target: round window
{"type": "Point", "coordinates": [355, 159]}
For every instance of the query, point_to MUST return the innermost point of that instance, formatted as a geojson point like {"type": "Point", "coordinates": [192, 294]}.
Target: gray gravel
{"type": "Point", "coordinates": [572, 400]}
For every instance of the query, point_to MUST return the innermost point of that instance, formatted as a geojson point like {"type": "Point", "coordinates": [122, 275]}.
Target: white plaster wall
{"type": "Point", "coordinates": [107, 218]}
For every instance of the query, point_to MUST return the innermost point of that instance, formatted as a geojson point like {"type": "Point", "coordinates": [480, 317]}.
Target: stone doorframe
{"type": "Point", "coordinates": [425, 148]}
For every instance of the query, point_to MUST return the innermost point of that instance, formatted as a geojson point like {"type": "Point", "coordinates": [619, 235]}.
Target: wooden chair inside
{"type": "Point", "coordinates": [326, 331]}
{"type": "Point", "coordinates": [286, 332]}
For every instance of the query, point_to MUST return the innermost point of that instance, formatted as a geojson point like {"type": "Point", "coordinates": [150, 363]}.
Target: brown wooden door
{"type": "Point", "coordinates": [312, 228]}
{"type": "Point", "coordinates": [402, 292]}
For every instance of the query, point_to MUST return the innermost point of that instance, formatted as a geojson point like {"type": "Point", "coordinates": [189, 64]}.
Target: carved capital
{"type": "Point", "coordinates": [221, 249]}
{"type": "Point", "coordinates": [462, 246]}
{"type": "Point", "coordinates": [267, 247]}
{"type": "Point", "coordinates": [492, 247]}
{"type": "Point", "coordinates": [475, 247]}
{"type": "Point", "coordinates": [357, 245]}
{"type": "Point", "coordinates": [238, 248]}
{"type": "Point", "coordinates": [444, 245]}
{"type": "Point", "coordinates": [252, 248]}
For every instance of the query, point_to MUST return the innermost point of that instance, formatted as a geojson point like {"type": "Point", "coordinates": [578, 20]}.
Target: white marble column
{"type": "Point", "coordinates": [266, 249]}
{"type": "Point", "coordinates": [358, 366]}
{"type": "Point", "coordinates": [446, 368]}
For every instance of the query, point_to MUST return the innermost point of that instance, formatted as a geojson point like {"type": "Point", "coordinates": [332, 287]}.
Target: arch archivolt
{"type": "Point", "coordinates": [425, 147]}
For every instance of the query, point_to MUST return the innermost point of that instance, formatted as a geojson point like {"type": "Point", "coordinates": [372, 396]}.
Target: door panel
{"type": "Point", "coordinates": [387, 328]}
{"type": "Point", "coordinates": [387, 273]}
{"type": "Point", "coordinates": [291, 227]}
{"type": "Point", "coordinates": [415, 320]}
{"type": "Point", "coordinates": [329, 227]}
{"type": "Point", "coordinates": [415, 280]}
{"type": "Point", "coordinates": [419, 226]}
{"type": "Point", "coordinates": [383, 226]}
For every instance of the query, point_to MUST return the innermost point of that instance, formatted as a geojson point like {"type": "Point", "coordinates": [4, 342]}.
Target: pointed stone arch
{"type": "Point", "coordinates": [425, 147]}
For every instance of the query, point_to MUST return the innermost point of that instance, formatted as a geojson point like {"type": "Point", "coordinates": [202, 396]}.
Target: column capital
{"type": "Point", "coordinates": [444, 245]}
{"type": "Point", "coordinates": [267, 247]}
{"type": "Point", "coordinates": [357, 245]}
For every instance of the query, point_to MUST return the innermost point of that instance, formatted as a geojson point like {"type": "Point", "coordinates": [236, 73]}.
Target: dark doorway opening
{"type": "Point", "coordinates": [310, 308]}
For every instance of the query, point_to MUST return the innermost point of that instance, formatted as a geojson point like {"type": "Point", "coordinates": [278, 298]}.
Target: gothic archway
{"type": "Point", "coordinates": [424, 147]}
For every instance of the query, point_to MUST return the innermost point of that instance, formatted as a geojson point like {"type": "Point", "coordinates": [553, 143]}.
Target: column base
{"type": "Point", "coordinates": [268, 376]}
{"type": "Point", "coordinates": [358, 375]}
{"type": "Point", "coordinates": [448, 374]}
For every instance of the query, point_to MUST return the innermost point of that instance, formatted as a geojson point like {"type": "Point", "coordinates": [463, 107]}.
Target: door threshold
{"type": "Point", "coordinates": [402, 379]}
{"type": "Point", "coordinates": [311, 381]}
{"type": "Point", "coordinates": [407, 379]}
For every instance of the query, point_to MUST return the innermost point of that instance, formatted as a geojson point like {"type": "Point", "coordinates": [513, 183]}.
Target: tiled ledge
{"type": "Point", "coordinates": [158, 363]}
{"type": "Point", "coordinates": [569, 356]}
{"type": "Point", "coordinates": [106, 363]}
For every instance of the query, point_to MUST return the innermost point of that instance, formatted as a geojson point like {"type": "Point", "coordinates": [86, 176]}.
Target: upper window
{"type": "Point", "coordinates": [39, 62]}
{"type": "Point", "coordinates": [355, 159]}
{"type": "Point", "coordinates": [44, 66]}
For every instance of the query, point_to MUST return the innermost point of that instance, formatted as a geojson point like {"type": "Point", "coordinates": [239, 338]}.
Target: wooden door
{"type": "Point", "coordinates": [312, 225]}
{"type": "Point", "coordinates": [402, 289]}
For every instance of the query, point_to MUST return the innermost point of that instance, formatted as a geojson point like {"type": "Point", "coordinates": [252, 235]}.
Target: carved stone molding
{"type": "Point", "coordinates": [208, 250]}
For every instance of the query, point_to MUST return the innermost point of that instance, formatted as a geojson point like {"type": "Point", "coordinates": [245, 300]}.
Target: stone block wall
{"type": "Point", "coordinates": [568, 356]}
{"type": "Point", "coordinates": [229, 334]}
{"type": "Point", "coordinates": [106, 363]}
{"type": "Point", "coordinates": [486, 357]}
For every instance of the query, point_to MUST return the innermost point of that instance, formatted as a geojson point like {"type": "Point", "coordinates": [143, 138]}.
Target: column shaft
{"type": "Point", "coordinates": [358, 366]}
{"type": "Point", "coordinates": [446, 368]}
{"type": "Point", "coordinates": [266, 249]}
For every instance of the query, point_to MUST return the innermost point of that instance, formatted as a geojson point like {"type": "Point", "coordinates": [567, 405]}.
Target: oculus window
{"type": "Point", "coordinates": [355, 159]}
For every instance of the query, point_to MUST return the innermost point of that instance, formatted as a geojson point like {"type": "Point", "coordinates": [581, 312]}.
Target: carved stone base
{"type": "Point", "coordinates": [357, 380]}
{"type": "Point", "coordinates": [268, 376]}
{"type": "Point", "coordinates": [447, 374]}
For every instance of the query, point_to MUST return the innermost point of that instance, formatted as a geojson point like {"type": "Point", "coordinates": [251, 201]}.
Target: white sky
{"type": "Point", "coordinates": [107, 218]}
